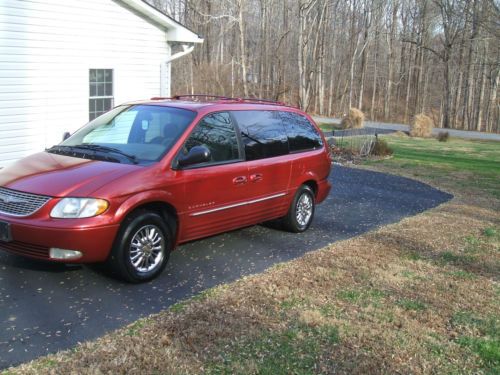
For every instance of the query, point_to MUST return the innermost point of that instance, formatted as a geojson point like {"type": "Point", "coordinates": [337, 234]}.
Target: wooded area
{"type": "Point", "coordinates": [392, 59]}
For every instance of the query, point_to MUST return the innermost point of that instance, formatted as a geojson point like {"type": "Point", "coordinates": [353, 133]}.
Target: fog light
{"type": "Point", "coordinates": [64, 254]}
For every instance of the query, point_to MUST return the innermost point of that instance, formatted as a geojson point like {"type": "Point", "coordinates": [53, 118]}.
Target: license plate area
{"type": "Point", "coordinates": [5, 233]}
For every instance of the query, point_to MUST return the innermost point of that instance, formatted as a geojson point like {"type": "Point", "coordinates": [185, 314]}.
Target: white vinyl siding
{"type": "Point", "coordinates": [47, 48]}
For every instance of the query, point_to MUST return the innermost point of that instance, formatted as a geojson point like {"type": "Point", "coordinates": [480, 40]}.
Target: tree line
{"type": "Point", "coordinates": [392, 59]}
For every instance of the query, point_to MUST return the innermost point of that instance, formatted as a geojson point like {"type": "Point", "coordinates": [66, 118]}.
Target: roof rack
{"type": "Point", "coordinates": [223, 99]}
{"type": "Point", "coordinates": [260, 101]}
{"type": "Point", "coordinates": [179, 97]}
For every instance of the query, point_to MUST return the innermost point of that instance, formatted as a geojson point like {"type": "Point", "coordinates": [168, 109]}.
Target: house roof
{"type": "Point", "coordinates": [176, 32]}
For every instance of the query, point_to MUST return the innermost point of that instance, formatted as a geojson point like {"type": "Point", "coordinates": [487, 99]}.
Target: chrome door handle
{"type": "Point", "coordinates": [256, 177]}
{"type": "Point", "coordinates": [240, 180]}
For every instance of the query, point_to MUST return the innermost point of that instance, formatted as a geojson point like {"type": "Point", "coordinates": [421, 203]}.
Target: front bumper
{"type": "Point", "coordinates": [35, 241]}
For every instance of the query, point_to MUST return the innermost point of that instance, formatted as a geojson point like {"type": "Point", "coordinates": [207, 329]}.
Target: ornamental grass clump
{"type": "Point", "coordinates": [443, 136]}
{"type": "Point", "coordinates": [353, 120]}
{"type": "Point", "coordinates": [421, 126]}
{"type": "Point", "coordinates": [381, 148]}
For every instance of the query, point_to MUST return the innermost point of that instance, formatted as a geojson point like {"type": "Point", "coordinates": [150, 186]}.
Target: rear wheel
{"type": "Point", "coordinates": [301, 212]}
{"type": "Point", "coordinates": [142, 247]}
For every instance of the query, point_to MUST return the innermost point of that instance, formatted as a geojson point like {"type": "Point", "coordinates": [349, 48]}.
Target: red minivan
{"type": "Point", "coordinates": [132, 184]}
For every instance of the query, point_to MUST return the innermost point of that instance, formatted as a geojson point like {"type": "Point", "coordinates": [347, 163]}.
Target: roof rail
{"type": "Point", "coordinates": [261, 101]}
{"type": "Point", "coordinates": [223, 99]}
{"type": "Point", "coordinates": [178, 97]}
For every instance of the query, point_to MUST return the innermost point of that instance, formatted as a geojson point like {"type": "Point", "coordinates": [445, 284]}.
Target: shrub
{"type": "Point", "coordinates": [381, 148]}
{"type": "Point", "coordinates": [421, 126]}
{"type": "Point", "coordinates": [443, 136]}
{"type": "Point", "coordinates": [353, 120]}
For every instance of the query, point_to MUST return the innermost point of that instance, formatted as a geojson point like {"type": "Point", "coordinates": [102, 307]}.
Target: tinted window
{"type": "Point", "coordinates": [263, 134]}
{"type": "Point", "coordinates": [302, 135]}
{"type": "Point", "coordinates": [216, 132]}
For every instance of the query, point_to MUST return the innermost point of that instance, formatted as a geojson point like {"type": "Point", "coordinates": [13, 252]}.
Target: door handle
{"type": "Point", "coordinates": [256, 177]}
{"type": "Point", "coordinates": [240, 180]}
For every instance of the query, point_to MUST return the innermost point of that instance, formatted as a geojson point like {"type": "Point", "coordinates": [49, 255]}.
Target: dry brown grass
{"type": "Point", "coordinates": [421, 126]}
{"type": "Point", "coordinates": [389, 292]}
{"type": "Point", "coordinates": [400, 298]}
{"type": "Point", "coordinates": [400, 134]}
{"type": "Point", "coordinates": [353, 120]}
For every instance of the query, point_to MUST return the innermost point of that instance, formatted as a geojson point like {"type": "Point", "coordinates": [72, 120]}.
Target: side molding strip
{"type": "Point", "coordinates": [237, 205]}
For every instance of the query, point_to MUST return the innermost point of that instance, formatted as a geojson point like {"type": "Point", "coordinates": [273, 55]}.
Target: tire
{"type": "Point", "coordinates": [142, 247]}
{"type": "Point", "coordinates": [301, 211]}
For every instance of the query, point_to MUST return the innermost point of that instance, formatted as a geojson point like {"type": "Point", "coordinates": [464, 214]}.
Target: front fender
{"type": "Point", "coordinates": [141, 199]}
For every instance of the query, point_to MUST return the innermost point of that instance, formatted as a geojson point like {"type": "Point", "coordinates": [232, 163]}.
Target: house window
{"type": "Point", "coordinates": [101, 92]}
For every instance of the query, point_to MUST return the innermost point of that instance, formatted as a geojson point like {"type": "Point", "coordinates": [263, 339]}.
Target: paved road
{"type": "Point", "coordinates": [405, 128]}
{"type": "Point", "coordinates": [46, 307]}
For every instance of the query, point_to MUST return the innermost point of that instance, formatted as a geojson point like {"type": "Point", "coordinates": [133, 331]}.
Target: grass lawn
{"type": "Point", "coordinates": [466, 163]}
{"type": "Point", "coordinates": [421, 296]}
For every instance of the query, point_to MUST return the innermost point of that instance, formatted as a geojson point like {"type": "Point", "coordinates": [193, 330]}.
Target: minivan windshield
{"type": "Point", "coordinates": [134, 134]}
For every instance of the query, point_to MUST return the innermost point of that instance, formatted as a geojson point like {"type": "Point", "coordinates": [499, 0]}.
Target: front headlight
{"type": "Point", "coordinates": [77, 208]}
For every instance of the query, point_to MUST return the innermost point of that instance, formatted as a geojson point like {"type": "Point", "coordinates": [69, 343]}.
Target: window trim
{"type": "Point", "coordinates": [241, 150]}
{"type": "Point", "coordinates": [111, 97]}
{"type": "Point", "coordinates": [241, 136]}
{"type": "Point", "coordinates": [319, 132]}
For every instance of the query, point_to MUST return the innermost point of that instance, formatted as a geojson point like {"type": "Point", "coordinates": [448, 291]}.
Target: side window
{"type": "Point", "coordinates": [262, 133]}
{"type": "Point", "coordinates": [216, 132]}
{"type": "Point", "coordinates": [302, 135]}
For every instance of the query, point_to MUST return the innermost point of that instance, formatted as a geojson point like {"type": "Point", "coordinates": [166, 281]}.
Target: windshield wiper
{"type": "Point", "coordinates": [96, 147]}
{"type": "Point", "coordinates": [65, 149]}
{"type": "Point", "coordinates": [70, 150]}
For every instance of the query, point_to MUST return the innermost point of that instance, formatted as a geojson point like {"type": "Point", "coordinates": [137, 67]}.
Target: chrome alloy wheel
{"type": "Point", "coordinates": [304, 209]}
{"type": "Point", "coordinates": [147, 248]}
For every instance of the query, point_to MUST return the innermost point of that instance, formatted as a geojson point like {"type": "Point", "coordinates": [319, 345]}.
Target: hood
{"type": "Point", "coordinates": [59, 175]}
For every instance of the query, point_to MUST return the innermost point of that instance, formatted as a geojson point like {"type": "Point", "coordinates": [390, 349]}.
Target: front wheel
{"type": "Point", "coordinates": [301, 212]}
{"type": "Point", "coordinates": [142, 247]}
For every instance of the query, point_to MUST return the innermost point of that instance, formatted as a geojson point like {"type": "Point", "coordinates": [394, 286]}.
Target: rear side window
{"type": "Point", "coordinates": [217, 133]}
{"type": "Point", "coordinates": [262, 133]}
{"type": "Point", "coordinates": [302, 135]}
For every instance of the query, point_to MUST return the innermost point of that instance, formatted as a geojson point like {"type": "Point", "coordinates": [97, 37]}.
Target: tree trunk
{"type": "Point", "coordinates": [363, 74]}
{"type": "Point", "coordinates": [243, 55]}
{"type": "Point", "coordinates": [479, 116]}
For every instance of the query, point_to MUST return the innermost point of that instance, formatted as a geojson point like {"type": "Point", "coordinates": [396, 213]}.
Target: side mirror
{"type": "Point", "coordinates": [66, 135]}
{"type": "Point", "coordinates": [198, 154]}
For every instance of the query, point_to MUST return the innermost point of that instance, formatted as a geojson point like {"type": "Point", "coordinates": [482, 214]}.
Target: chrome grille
{"type": "Point", "coordinates": [17, 203]}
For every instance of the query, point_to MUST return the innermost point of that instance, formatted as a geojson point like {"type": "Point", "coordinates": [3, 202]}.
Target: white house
{"type": "Point", "coordinates": [63, 62]}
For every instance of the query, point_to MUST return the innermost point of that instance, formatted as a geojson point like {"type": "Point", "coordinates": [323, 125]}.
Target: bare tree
{"type": "Point", "coordinates": [392, 58]}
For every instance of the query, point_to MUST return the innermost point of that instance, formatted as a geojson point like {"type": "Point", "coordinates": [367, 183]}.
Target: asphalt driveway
{"type": "Point", "coordinates": [46, 307]}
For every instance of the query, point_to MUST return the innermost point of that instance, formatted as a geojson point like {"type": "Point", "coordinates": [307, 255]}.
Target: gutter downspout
{"type": "Point", "coordinates": [166, 69]}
